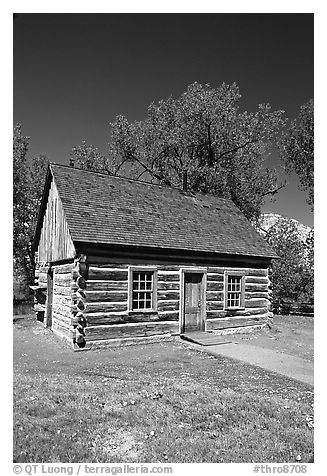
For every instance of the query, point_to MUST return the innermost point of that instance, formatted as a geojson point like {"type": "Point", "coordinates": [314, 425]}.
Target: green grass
{"type": "Point", "coordinates": [160, 402]}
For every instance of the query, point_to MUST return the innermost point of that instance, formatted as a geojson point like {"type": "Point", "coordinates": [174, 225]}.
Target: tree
{"type": "Point", "coordinates": [293, 273]}
{"type": "Point", "coordinates": [203, 139]}
{"type": "Point", "coordinates": [88, 157]}
{"type": "Point", "coordinates": [297, 149]}
{"type": "Point", "coordinates": [29, 175]}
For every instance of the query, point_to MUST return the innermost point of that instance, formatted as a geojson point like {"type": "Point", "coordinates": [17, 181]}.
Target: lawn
{"type": "Point", "coordinates": [288, 334]}
{"type": "Point", "coordinates": [147, 403]}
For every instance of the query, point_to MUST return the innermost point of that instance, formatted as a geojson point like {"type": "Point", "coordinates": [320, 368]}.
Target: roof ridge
{"type": "Point", "coordinates": [170, 187]}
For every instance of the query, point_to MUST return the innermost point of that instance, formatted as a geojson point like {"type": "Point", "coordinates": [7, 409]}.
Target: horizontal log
{"type": "Point", "coordinates": [255, 288]}
{"type": "Point", "coordinates": [166, 285]}
{"type": "Point", "coordinates": [168, 295]}
{"type": "Point", "coordinates": [216, 313]}
{"type": "Point", "coordinates": [247, 271]}
{"type": "Point", "coordinates": [214, 305]}
{"type": "Point", "coordinates": [169, 315]}
{"type": "Point", "coordinates": [62, 301]}
{"type": "Point", "coordinates": [165, 306]}
{"type": "Point", "coordinates": [64, 268]}
{"type": "Point", "coordinates": [215, 296]}
{"type": "Point", "coordinates": [98, 318]}
{"type": "Point", "coordinates": [239, 312]}
{"type": "Point", "coordinates": [214, 269]}
{"type": "Point", "coordinates": [101, 262]}
{"type": "Point", "coordinates": [105, 307]}
{"type": "Point", "coordinates": [215, 277]}
{"type": "Point", "coordinates": [106, 285]}
{"type": "Point", "coordinates": [63, 279]}
{"type": "Point", "coordinates": [64, 320]}
{"type": "Point", "coordinates": [105, 296]}
{"type": "Point", "coordinates": [96, 273]}
{"type": "Point", "coordinates": [115, 331]}
{"type": "Point", "coordinates": [168, 267]}
{"type": "Point", "coordinates": [252, 311]}
{"type": "Point", "coordinates": [60, 329]}
{"type": "Point", "coordinates": [105, 319]}
{"type": "Point", "coordinates": [255, 303]}
{"type": "Point", "coordinates": [168, 277]}
{"type": "Point", "coordinates": [214, 286]}
{"type": "Point", "coordinates": [219, 324]}
{"type": "Point", "coordinates": [256, 280]}
{"type": "Point", "coordinates": [256, 295]}
{"type": "Point", "coordinates": [255, 272]}
{"type": "Point", "coordinates": [62, 290]}
{"type": "Point", "coordinates": [62, 310]}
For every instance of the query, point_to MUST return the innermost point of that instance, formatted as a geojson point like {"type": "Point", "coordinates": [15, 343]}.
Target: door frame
{"type": "Point", "coordinates": [197, 270]}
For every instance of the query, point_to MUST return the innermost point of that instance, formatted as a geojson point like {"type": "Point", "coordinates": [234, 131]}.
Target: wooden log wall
{"type": "Point", "coordinates": [257, 296]}
{"type": "Point", "coordinates": [68, 301]}
{"type": "Point", "coordinates": [107, 313]}
{"type": "Point", "coordinates": [96, 293]}
{"type": "Point", "coordinates": [40, 279]}
{"type": "Point", "coordinates": [62, 300]}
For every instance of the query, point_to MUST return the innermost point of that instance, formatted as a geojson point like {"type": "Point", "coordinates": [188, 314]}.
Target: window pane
{"type": "Point", "coordinates": [234, 289]}
{"type": "Point", "coordinates": [142, 288]}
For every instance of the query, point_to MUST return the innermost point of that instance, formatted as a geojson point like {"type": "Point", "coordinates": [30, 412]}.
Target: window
{"type": "Point", "coordinates": [234, 290]}
{"type": "Point", "coordinates": [142, 289]}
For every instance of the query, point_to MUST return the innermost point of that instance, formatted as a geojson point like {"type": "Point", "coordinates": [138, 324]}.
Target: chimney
{"type": "Point", "coordinates": [185, 180]}
{"type": "Point", "coordinates": [71, 162]}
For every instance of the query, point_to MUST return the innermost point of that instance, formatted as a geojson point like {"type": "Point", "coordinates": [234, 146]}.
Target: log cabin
{"type": "Point", "coordinates": [124, 261]}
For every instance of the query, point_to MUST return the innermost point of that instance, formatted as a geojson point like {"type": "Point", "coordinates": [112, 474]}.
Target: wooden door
{"type": "Point", "coordinates": [193, 302]}
{"type": "Point", "coordinates": [48, 317]}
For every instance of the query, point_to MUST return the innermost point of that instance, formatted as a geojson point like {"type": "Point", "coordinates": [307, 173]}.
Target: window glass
{"type": "Point", "coordinates": [142, 290]}
{"type": "Point", "coordinates": [234, 291]}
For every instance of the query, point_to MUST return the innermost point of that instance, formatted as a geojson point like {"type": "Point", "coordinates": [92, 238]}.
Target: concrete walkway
{"type": "Point", "coordinates": [285, 364]}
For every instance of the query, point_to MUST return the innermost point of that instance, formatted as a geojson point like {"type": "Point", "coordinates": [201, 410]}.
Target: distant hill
{"type": "Point", "coordinates": [268, 220]}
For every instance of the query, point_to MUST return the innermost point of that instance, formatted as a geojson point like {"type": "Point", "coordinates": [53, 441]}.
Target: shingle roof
{"type": "Point", "coordinates": [100, 208]}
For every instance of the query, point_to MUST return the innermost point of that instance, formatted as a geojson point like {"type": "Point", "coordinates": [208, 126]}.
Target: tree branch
{"type": "Point", "coordinates": [237, 148]}
{"type": "Point", "coordinates": [273, 192]}
{"type": "Point", "coordinates": [121, 164]}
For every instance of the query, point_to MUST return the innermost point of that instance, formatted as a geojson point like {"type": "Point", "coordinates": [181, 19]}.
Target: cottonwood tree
{"type": "Point", "coordinates": [297, 149]}
{"type": "Point", "coordinates": [292, 273]}
{"type": "Point", "coordinates": [204, 138]}
{"type": "Point", "coordinates": [28, 180]}
{"type": "Point", "coordinates": [88, 157]}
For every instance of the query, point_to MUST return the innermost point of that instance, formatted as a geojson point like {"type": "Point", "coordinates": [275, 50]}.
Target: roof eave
{"type": "Point", "coordinates": [98, 246]}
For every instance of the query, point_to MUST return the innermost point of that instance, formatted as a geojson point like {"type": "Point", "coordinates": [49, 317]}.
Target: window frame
{"type": "Point", "coordinates": [142, 269]}
{"type": "Point", "coordinates": [240, 274]}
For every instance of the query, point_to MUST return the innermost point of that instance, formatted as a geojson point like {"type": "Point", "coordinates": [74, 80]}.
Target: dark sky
{"type": "Point", "coordinates": [73, 73]}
